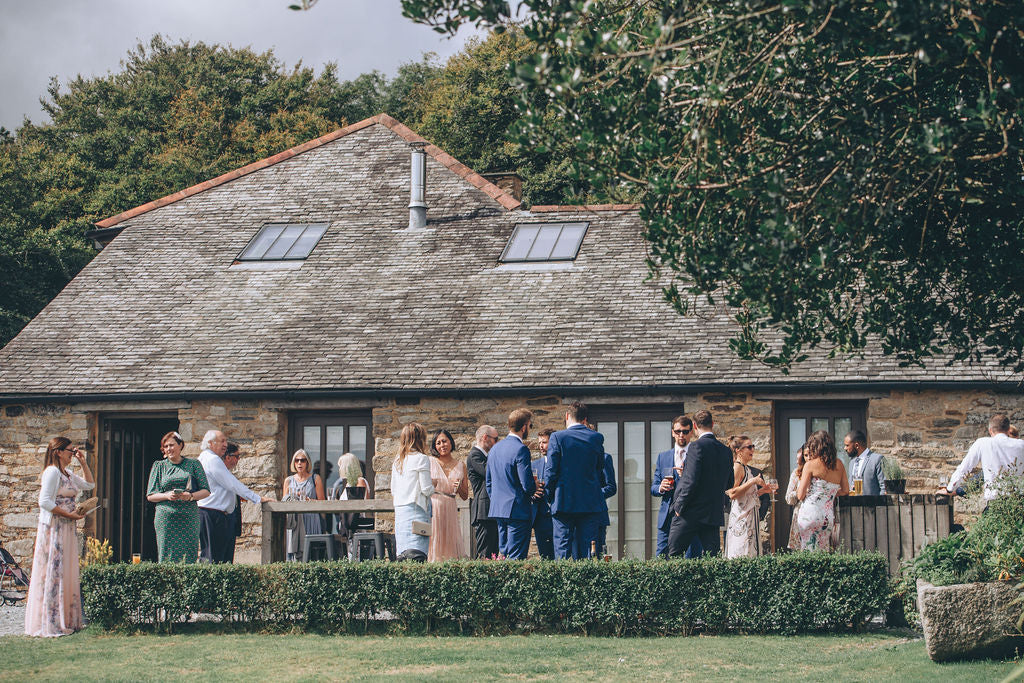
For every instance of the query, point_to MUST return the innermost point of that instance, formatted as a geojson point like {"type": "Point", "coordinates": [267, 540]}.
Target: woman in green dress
{"type": "Point", "coordinates": [175, 484]}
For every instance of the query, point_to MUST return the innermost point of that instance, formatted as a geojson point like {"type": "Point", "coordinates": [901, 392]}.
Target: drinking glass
{"type": "Point", "coordinates": [773, 484]}
{"type": "Point", "coordinates": [136, 558]}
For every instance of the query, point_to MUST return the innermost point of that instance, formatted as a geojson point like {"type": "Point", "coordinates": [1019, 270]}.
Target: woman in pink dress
{"type": "Point", "coordinates": [822, 480]}
{"type": "Point", "coordinates": [449, 478]}
{"type": "Point", "coordinates": [54, 605]}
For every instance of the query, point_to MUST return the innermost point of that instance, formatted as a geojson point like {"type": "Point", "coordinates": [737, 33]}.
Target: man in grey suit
{"type": "Point", "coordinates": [485, 529]}
{"type": "Point", "coordinates": [865, 464]}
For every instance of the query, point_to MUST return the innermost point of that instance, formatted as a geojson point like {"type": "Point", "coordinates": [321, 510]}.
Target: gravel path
{"type": "Point", "coordinates": [12, 620]}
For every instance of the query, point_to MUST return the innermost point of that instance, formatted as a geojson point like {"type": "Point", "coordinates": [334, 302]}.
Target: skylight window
{"type": "Point", "coordinates": [544, 242]}
{"type": "Point", "coordinates": [283, 242]}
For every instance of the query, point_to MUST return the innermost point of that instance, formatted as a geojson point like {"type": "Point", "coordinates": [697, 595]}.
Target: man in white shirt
{"type": "Point", "coordinates": [216, 532]}
{"type": "Point", "coordinates": [998, 453]}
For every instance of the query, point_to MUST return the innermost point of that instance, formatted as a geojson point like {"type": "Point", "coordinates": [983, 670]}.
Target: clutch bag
{"type": "Point", "coordinates": [87, 506]}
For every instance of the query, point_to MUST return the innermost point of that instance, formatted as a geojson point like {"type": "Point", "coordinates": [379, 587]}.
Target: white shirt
{"type": "Point", "coordinates": [681, 454]}
{"type": "Point", "coordinates": [413, 483]}
{"type": "Point", "coordinates": [224, 486]}
{"type": "Point", "coordinates": [49, 486]}
{"type": "Point", "coordinates": [996, 454]}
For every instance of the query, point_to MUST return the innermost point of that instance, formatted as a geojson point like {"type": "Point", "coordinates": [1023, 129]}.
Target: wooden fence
{"type": "Point", "coordinates": [895, 525]}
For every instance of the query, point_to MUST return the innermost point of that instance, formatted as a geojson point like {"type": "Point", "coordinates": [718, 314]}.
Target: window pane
{"type": "Point", "coordinates": [262, 242]}
{"type": "Point", "coordinates": [569, 241]}
{"type": "Point", "coordinates": [304, 245]}
{"type": "Point", "coordinates": [610, 430]}
{"type": "Point", "coordinates": [843, 427]}
{"type": "Point", "coordinates": [335, 448]}
{"type": "Point", "coordinates": [522, 240]}
{"type": "Point", "coordinates": [818, 423]}
{"type": "Point", "coordinates": [544, 243]}
{"type": "Point", "coordinates": [357, 442]}
{"type": "Point", "coordinates": [797, 436]}
{"type": "Point", "coordinates": [284, 242]}
{"type": "Point", "coordinates": [311, 442]}
{"type": "Point", "coordinates": [632, 482]}
{"type": "Point", "coordinates": [661, 440]}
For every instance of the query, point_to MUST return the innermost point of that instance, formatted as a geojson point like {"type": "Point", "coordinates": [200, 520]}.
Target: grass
{"type": "Point", "coordinates": [95, 655]}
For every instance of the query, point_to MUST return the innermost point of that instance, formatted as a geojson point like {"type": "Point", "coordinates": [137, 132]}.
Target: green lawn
{"type": "Point", "coordinates": [94, 655]}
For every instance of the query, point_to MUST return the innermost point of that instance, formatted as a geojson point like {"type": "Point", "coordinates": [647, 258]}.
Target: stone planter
{"type": "Point", "coordinates": [969, 620]}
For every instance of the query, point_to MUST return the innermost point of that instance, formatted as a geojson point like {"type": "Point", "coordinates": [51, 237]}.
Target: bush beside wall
{"type": "Point", "coordinates": [793, 593]}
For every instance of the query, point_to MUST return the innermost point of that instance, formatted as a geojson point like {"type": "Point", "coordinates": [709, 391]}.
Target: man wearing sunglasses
{"type": "Point", "coordinates": [663, 483]}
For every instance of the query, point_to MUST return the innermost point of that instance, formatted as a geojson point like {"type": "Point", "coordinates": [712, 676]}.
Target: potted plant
{"type": "Point", "coordinates": [894, 481]}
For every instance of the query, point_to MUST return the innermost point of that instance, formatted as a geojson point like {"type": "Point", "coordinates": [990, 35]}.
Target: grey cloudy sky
{"type": "Point", "coordinates": [64, 38]}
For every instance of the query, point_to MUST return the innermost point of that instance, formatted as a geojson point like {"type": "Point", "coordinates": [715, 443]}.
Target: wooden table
{"type": "Point", "coordinates": [274, 512]}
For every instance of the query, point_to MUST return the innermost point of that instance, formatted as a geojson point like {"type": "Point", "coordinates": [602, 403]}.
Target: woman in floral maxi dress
{"type": "Point", "coordinates": [54, 606]}
{"type": "Point", "coordinates": [822, 480]}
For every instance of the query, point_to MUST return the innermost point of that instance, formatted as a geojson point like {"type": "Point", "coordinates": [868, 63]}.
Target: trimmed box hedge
{"type": "Point", "coordinates": [791, 593]}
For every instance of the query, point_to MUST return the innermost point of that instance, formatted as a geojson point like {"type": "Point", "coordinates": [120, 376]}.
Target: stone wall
{"type": "Point", "coordinates": [928, 431]}
{"type": "Point", "coordinates": [25, 429]}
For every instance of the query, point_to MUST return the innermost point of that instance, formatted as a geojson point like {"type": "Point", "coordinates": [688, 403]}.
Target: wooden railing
{"type": "Point", "coordinates": [274, 520]}
{"type": "Point", "coordinates": [895, 525]}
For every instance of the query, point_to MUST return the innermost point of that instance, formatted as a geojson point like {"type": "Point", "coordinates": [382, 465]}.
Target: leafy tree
{"type": "Point", "coordinates": [841, 174]}
{"type": "Point", "coordinates": [469, 107]}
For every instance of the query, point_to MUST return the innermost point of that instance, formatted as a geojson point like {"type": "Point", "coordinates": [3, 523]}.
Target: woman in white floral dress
{"type": "Point", "coordinates": [54, 606]}
{"type": "Point", "coordinates": [744, 538]}
{"type": "Point", "coordinates": [822, 480]}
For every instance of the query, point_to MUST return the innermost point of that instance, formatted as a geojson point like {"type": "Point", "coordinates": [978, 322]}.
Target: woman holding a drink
{"type": "Point", "coordinates": [449, 478]}
{"type": "Point", "coordinates": [744, 536]}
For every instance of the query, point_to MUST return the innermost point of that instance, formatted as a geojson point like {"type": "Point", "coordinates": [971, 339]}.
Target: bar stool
{"type": "Point", "coordinates": [326, 539]}
{"type": "Point", "coordinates": [372, 545]}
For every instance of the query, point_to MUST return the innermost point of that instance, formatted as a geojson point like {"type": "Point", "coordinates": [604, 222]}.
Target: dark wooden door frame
{"type": "Point", "coordinates": [131, 521]}
{"type": "Point", "coordinates": [345, 418]}
{"type": "Point", "coordinates": [783, 410]}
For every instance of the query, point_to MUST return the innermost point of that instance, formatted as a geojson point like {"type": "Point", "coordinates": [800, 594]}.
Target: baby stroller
{"type": "Point", "coordinates": [12, 579]}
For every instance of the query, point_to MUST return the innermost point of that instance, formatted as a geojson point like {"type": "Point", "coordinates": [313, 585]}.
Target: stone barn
{"type": "Point", "coordinates": [324, 297]}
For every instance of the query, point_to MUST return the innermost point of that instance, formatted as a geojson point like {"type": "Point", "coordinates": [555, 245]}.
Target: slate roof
{"type": "Point", "coordinates": [377, 306]}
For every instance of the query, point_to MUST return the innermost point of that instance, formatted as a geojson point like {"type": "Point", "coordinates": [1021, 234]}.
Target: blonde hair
{"type": "Point", "coordinates": [349, 469]}
{"type": "Point", "coordinates": [412, 440]}
{"type": "Point", "coordinates": [309, 465]}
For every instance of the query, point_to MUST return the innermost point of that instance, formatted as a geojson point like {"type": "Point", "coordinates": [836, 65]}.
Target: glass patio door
{"type": "Point", "coordinates": [634, 436]}
{"type": "Point", "coordinates": [327, 436]}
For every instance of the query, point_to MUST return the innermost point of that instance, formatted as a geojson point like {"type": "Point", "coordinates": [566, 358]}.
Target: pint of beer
{"type": "Point", "coordinates": [858, 487]}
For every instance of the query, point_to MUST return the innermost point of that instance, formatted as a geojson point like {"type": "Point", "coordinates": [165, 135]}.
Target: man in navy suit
{"type": "Point", "coordinates": [607, 491]}
{"type": "Point", "coordinates": [575, 479]}
{"type": "Point", "coordinates": [663, 483]}
{"type": "Point", "coordinates": [510, 486]}
{"type": "Point", "coordinates": [697, 504]}
{"type": "Point", "coordinates": [542, 528]}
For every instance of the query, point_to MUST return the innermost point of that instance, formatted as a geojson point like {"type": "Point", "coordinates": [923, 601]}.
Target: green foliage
{"type": "Point", "coordinates": [991, 550]}
{"type": "Point", "coordinates": [841, 174]}
{"type": "Point", "coordinates": [891, 468]}
{"type": "Point", "coordinates": [794, 593]}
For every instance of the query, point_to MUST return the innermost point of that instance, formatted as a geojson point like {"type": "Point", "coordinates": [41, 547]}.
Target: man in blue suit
{"type": "Point", "coordinates": [542, 529]}
{"type": "Point", "coordinates": [510, 486]}
{"type": "Point", "coordinates": [575, 479]}
{"type": "Point", "coordinates": [697, 504]}
{"type": "Point", "coordinates": [663, 483]}
{"type": "Point", "coordinates": [607, 491]}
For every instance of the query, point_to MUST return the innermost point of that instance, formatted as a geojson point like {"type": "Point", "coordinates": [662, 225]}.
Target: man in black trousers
{"type": "Point", "coordinates": [697, 504]}
{"type": "Point", "coordinates": [485, 529]}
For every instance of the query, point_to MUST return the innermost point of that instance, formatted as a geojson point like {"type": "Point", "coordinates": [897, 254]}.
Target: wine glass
{"type": "Point", "coordinates": [773, 484]}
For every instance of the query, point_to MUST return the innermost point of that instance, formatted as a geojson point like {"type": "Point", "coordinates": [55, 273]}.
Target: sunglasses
{"type": "Point", "coordinates": [682, 431]}
{"type": "Point", "coordinates": [299, 460]}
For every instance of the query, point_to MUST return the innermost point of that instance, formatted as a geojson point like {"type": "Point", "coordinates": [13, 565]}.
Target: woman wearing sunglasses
{"type": "Point", "coordinates": [304, 484]}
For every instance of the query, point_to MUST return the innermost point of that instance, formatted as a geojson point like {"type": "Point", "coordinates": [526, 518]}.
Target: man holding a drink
{"type": "Point", "coordinates": [663, 483]}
